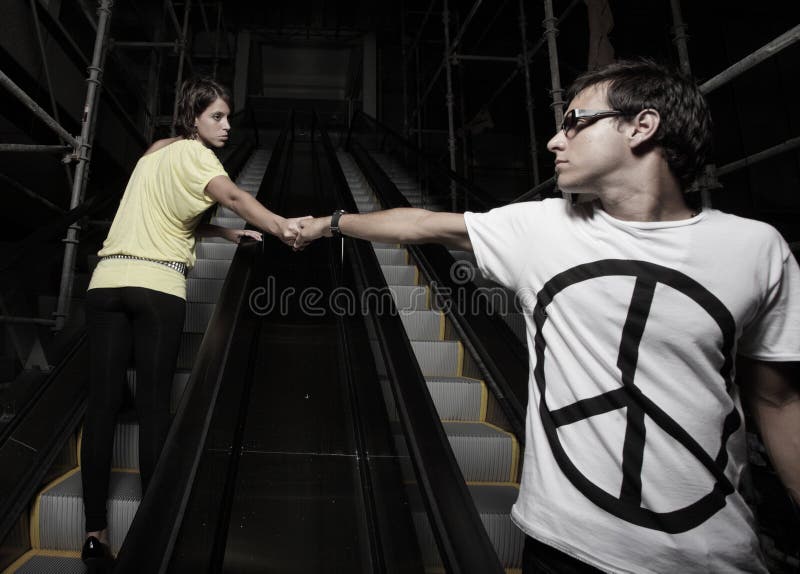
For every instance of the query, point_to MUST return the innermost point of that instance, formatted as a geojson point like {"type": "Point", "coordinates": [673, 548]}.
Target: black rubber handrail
{"type": "Point", "coordinates": [463, 543]}
{"type": "Point", "coordinates": [499, 352]}
{"type": "Point", "coordinates": [155, 528]}
{"type": "Point", "coordinates": [475, 192]}
{"type": "Point", "coordinates": [390, 527]}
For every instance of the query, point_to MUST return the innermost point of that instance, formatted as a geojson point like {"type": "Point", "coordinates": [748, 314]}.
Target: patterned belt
{"type": "Point", "coordinates": [178, 266]}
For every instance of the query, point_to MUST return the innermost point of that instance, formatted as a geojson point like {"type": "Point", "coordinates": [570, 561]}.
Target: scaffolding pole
{"type": "Point", "coordinates": [84, 157]}
{"type": "Point", "coordinates": [451, 135]}
{"type": "Point", "coordinates": [404, 58]}
{"type": "Point", "coordinates": [181, 54]}
{"type": "Point", "coordinates": [767, 51]}
{"type": "Point", "coordinates": [536, 47]}
{"type": "Point", "coordinates": [532, 149]}
{"type": "Point", "coordinates": [551, 31]}
{"type": "Point", "coordinates": [15, 90]}
{"type": "Point", "coordinates": [555, 77]}
{"type": "Point", "coordinates": [680, 37]}
{"type": "Point", "coordinates": [49, 81]}
{"type": "Point", "coordinates": [681, 41]}
{"type": "Point", "coordinates": [216, 41]}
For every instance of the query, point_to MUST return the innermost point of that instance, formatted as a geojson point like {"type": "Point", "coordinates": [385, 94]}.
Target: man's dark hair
{"type": "Point", "coordinates": [684, 133]}
{"type": "Point", "coordinates": [195, 95]}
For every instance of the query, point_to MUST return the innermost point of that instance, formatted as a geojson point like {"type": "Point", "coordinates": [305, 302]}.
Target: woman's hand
{"type": "Point", "coordinates": [289, 230]}
{"type": "Point", "coordinates": [236, 235]}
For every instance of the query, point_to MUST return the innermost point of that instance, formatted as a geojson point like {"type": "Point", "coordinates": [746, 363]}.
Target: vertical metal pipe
{"type": "Point", "coordinates": [84, 157]}
{"type": "Point", "coordinates": [555, 77]}
{"type": "Point", "coordinates": [419, 109]}
{"type": "Point", "coordinates": [49, 81]}
{"type": "Point", "coordinates": [216, 40]}
{"type": "Point", "coordinates": [523, 25]}
{"type": "Point", "coordinates": [680, 37]}
{"type": "Point", "coordinates": [550, 31]}
{"type": "Point", "coordinates": [181, 55]}
{"type": "Point", "coordinates": [404, 49]}
{"type": "Point", "coordinates": [451, 135]}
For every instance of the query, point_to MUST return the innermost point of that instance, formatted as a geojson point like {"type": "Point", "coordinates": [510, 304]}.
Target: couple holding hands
{"type": "Point", "coordinates": [654, 321]}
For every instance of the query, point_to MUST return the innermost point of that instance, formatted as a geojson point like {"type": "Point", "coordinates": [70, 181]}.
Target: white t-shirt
{"type": "Point", "coordinates": [635, 439]}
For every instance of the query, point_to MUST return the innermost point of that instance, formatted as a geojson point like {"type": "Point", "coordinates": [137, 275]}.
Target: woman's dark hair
{"type": "Point", "coordinates": [684, 133]}
{"type": "Point", "coordinates": [195, 95]}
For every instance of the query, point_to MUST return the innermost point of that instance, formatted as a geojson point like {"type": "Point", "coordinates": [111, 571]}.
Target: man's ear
{"type": "Point", "coordinates": [642, 128]}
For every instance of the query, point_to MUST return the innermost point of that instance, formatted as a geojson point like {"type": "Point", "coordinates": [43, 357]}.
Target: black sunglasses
{"type": "Point", "coordinates": [572, 117]}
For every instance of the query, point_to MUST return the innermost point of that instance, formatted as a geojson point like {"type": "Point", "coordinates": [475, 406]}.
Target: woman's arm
{"type": "Point", "coordinates": [226, 193]}
{"type": "Point", "coordinates": [231, 234]}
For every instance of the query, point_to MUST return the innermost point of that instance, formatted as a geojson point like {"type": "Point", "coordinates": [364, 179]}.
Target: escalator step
{"type": "Point", "coordinates": [210, 269]}
{"type": "Point", "coordinates": [58, 522]}
{"type": "Point", "coordinates": [410, 298]}
{"type": "Point", "coordinates": [208, 250]}
{"type": "Point", "coordinates": [203, 290]}
{"type": "Point", "coordinates": [232, 222]}
{"type": "Point", "coordinates": [48, 562]}
{"type": "Point", "coordinates": [484, 452]}
{"type": "Point", "coordinates": [397, 256]}
{"type": "Point", "coordinates": [400, 274]}
{"type": "Point", "coordinates": [439, 358]}
{"type": "Point", "coordinates": [458, 398]}
{"type": "Point", "coordinates": [424, 325]}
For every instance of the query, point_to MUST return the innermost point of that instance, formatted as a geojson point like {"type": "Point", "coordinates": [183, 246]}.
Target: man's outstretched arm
{"type": "Point", "coordinates": [401, 225]}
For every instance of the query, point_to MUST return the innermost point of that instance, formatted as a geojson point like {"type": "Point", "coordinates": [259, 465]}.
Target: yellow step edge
{"type": "Point", "coordinates": [484, 401]}
{"type": "Point", "coordinates": [460, 364]}
{"type": "Point", "coordinates": [79, 443]}
{"type": "Point", "coordinates": [442, 326]}
{"type": "Point", "coordinates": [22, 560]}
{"type": "Point", "coordinates": [36, 541]}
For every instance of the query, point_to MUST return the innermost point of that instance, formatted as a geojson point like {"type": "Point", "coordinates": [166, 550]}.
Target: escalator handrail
{"type": "Point", "coordinates": [462, 539]}
{"type": "Point", "coordinates": [475, 192]}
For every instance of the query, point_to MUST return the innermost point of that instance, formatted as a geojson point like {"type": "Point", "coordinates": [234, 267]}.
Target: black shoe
{"type": "Point", "coordinates": [96, 555]}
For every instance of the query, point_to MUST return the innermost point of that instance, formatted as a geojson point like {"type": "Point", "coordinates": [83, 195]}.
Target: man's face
{"type": "Point", "coordinates": [212, 125]}
{"type": "Point", "coordinates": [591, 156]}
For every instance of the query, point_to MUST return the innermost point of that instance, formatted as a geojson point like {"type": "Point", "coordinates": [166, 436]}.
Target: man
{"type": "Point", "coordinates": [635, 440]}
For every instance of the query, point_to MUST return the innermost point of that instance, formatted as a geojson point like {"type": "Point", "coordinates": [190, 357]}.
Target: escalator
{"type": "Point", "coordinates": [54, 522]}
{"type": "Point", "coordinates": [306, 440]}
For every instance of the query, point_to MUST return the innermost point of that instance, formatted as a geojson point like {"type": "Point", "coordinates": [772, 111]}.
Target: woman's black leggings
{"type": "Point", "coordinates": [127, 322]}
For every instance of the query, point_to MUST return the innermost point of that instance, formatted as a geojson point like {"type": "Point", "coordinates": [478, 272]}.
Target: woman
{"type": "Point", "coordinates": [137, 296]}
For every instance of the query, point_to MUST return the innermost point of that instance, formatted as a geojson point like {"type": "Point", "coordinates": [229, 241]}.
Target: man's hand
{"type": "Point", "coordinates": [236, 235]}
{"type": "Point", "coordinates": [290, 229]}
{"type": "Point", "coordinates": [311, 229]}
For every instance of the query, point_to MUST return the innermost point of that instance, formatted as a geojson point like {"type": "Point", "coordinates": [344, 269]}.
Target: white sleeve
{"type": "Point", "coordinates": [774, 335]}
{"type": "Point", "coordinates": [498, 240]}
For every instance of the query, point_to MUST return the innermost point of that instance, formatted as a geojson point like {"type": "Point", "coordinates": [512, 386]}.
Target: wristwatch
{"type": "Point", "coordinates": [335, 232]}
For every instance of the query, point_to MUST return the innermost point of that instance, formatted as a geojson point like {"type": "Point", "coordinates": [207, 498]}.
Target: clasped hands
{"type": "Point", "coordinates": [296, 232]}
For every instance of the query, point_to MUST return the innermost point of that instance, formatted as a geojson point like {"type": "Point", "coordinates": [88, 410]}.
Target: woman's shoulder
{"type": "Point", "coordinates": [160, 144]}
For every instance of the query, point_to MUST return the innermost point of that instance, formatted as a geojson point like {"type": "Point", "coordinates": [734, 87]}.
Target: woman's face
{"type": "Point", "coordinates": [212, 125]}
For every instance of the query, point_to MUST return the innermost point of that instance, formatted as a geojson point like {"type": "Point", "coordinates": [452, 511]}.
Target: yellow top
{"type": "Point", "coordinates": [163, 203]}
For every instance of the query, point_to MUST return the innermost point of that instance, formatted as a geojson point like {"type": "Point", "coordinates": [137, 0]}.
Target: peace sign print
{"type": "Point", "coordinates": [626, 505]}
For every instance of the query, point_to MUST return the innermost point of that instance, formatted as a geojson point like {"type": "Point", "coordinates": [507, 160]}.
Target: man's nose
{"type": "Point", "coordinates": [557, 141]}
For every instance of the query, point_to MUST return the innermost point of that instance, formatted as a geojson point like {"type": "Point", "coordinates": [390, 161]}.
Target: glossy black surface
{"type": "Point", "coordinates": [296, 512]}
